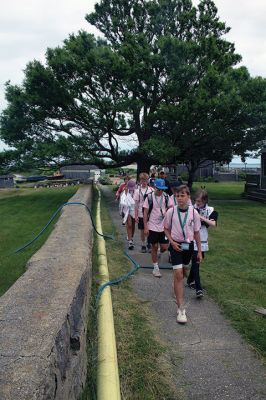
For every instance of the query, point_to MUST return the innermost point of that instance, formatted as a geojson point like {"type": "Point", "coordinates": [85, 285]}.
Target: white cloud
{"type": "Point", "coordinates": [28, 27]}
{"type": "Point", "coordinates": [248, 31]}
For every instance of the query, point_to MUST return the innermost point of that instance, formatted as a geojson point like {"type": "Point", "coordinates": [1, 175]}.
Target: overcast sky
{"type": "Point", "coordinates": [28, 27]}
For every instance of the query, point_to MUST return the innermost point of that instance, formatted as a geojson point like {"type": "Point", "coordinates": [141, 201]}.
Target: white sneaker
{"type": "Point", "coordinates": [181, 317]}
{"type": "Point", "coordinates": [130, 245]}
{"type": "Point", "coordinates": [156, 272]}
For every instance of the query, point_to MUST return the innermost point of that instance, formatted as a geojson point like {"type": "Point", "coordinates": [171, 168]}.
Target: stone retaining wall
{"type": "Point", "coordinates": [43, 316]}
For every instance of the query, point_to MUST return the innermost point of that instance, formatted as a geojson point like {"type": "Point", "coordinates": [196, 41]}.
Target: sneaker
{"type": "Point", "coordinates": [143, 249]}
{"type": "Point", "coordinates": [191, 285]}
{"type": "Point", "coordinates": [199, 294]}
{"type": "Point", "coordinates": [181, 317]}
{"type": "Point", "coordinates": [156, 272]}
{"type": "Point", "coordinates": [130, 245]}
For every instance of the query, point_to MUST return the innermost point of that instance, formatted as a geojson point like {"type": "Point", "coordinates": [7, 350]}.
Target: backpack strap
{"type": "Point", "coordinates": [150, 202]}
{"type": "Point", "coordinates": [166, 199]}
{"type": "Point", "coordinates": [171, 222]}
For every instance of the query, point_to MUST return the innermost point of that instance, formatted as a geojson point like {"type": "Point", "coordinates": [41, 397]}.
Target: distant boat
{"type": "Point", "coordinates": [55, 177]}
{"type": "Point", "coordinates": [36, 178]}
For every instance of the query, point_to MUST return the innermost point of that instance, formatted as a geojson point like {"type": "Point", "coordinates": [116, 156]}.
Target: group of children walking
{"type": "Point", "coordinates": [169, 222]}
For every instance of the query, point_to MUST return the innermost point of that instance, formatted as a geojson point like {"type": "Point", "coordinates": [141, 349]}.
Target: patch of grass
{"type": "Point", "coordinates": [222, 190]}
{"type": "Point", "coordinates": [144, 369]}
{"type": "Point", "coordinates": [23, 214]}
{"type": "Point", "coordinates": [234, 272]}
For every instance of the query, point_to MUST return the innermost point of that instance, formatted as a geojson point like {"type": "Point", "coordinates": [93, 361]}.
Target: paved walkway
{"type": "Point", "coordinates": [216, 363]}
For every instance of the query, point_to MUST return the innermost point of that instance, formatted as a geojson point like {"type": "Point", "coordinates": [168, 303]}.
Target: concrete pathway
{"type": "Point", "coordinates": [214, 362]}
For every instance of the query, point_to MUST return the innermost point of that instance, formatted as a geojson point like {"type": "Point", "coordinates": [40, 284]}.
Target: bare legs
{"type": "Point", "coordinates": [130, 225]}
{"type": "Point", "coordinates": [179, 286]}
{"type": "Point", "coordinates": [154, 251]}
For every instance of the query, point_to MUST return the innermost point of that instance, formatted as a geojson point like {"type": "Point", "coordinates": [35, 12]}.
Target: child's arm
{"type": "Point", "coordinates": [176, 246]}
{"type": "Point", "coordinates": [137, 212]}
{"type": "Point", "coordinates": [136, 199]}
{"type": "Point", "coordinates": [118, 192]}
{"type": "Point", "coordinates": [198, 242]}
{"type": "Point", "coordinates": [211, 221]}
{"type": "Point", "coordinates": [145, 221]}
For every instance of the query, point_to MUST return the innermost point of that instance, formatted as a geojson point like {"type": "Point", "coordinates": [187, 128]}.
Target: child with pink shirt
{"type": "Point", "coordinates": [181, 226]}
{"type": "Point", "coordinates": [154, 209]}
{"type": "Point", "coordinates": [173, 200]}
{"type": "Point", "coordinates": [139, 196]}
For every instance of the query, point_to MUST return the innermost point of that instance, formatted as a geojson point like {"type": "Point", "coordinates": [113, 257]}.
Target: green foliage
{"type": "Point", "coordinates": [163, 80]}
{"type": "Point", "coordinates": [105, 180]}
{"type": "Point", "coordinates": [184, 176]}
{"type": "Point", "coordinates": [242, 175]}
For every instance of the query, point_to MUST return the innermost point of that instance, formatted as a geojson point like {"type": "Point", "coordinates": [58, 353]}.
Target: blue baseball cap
{"type": "Point", "coordinates": [160, 184]}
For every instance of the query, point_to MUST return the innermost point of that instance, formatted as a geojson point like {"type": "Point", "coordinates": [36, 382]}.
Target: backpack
{"type": "Point", "coordinates": [150, 201]}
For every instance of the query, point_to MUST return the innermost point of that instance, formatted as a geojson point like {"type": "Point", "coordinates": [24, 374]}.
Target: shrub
{"type": "Point", "coordinates": [184, 176]}
{"type": "Point", "coordinates": [105, 180]}
{"type": "Point", "coordinates": [242, 176]}
{"type": "Point", "coordinates": [115, 188]}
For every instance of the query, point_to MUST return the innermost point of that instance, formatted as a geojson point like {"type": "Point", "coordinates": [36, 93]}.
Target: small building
{"type": "Point", "coordinates": [205, 170]}
{"type": "Point", "coordinates": [83, 173]}
{"type": "Point", "coordinates": [6, 181]}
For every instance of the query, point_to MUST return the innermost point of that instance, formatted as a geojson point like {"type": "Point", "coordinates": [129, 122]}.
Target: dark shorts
{"type": "Point", "coordinates": [141, 224]}
{"type": "Point", "coordinates": [157, 237]}
{"type": "Point", "coordinates": [179, 258]}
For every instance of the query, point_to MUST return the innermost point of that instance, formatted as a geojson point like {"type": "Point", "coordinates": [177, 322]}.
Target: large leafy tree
{"type": "Point", "coordinates": [160, 87]}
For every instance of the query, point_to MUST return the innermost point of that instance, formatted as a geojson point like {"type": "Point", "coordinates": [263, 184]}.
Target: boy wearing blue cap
{"type": "Point", "coordinates": [154, 209]}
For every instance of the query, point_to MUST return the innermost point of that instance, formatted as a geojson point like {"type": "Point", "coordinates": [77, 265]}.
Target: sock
{"type": "Point", "coordinates": [143, 244]}
{"type": "Point", "coordinates": [155, 265]}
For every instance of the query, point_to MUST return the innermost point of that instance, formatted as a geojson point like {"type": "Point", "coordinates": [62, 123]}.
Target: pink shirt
{"type": "Point", "coordinates": [193, 224]}
{"type": "Point", "coordinates": [172, 201]}
{"type": "Point", "coordinates": [156, 218]}
{"type": "Point", "coordinates": [139, 198]}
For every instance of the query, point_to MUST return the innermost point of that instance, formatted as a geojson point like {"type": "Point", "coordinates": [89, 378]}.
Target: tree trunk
{"type": "Point", "coordinates": [192, 167]}
{"type": "Point", "coordinates": [191, 177]}
{"type": "Point", "coordinates": [143, 165]}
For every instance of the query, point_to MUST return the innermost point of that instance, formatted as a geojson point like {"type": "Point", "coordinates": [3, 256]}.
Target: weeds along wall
{"type": "Point", "coordinates": [43, 316]}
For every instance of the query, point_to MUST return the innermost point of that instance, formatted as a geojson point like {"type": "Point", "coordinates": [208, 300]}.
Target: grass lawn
{"type": "Point", "coordinates": [24, 212]}
{"type": "Point", "coordinates": [222, 190]}
{"type": "Point", "coordinates": [234, 270]}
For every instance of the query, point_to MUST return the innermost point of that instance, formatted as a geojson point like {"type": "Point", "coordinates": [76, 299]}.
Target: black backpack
{"type": "Point", "coordinates": [150, 201]}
